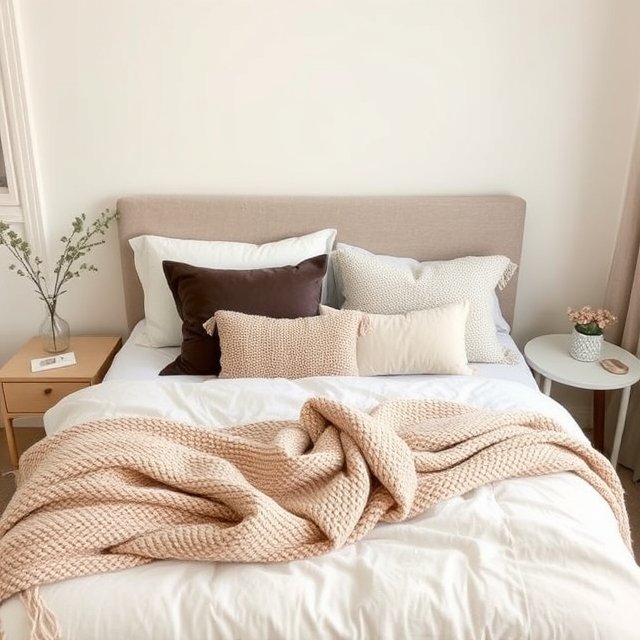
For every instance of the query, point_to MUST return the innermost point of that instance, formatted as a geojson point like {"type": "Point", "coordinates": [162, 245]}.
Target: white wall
{"type": "Point", "coordinates": [537, 99]}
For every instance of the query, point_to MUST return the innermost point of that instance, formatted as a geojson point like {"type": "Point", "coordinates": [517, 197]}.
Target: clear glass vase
{"type": "Point", "coordinates": [54, 332]}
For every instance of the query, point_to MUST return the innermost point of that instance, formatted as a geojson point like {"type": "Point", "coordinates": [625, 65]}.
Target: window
{"type": "Point", "coordinates": [19, 200]}
{"type": "Point", "coordinates": [3, 171]}
{"type": "Point", "coordinates": [8, 187]}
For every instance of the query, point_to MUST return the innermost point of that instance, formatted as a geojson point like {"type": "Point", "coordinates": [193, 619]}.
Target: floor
{"type": "Point", "coordinates": [26, 437]}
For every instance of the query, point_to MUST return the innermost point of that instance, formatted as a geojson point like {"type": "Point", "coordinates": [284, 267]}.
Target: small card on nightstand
{"type": "Point", "coordinates": [53, 362]}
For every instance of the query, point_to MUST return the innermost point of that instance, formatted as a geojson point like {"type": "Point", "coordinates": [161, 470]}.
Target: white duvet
{"type": "Point", "coordinates": [524, 558]}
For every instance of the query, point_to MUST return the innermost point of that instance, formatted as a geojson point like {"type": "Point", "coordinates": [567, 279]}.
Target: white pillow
{"type": "Point", "coordinates": [163, 324]}
{"type": "Point", "coordinates": [427, 341]}
{"type": "Point", "coordinates": [375, 284]}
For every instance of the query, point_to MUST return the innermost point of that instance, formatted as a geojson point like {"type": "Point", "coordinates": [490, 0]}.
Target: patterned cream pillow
{"type": "Point", "coordinates": [260, 347]}
{"type": "Point", "coordinates": [426, 341]}
{"type": "Point", "coordinates": [375, 284]}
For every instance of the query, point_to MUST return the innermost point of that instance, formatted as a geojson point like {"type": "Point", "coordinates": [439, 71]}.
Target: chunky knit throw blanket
{"type": "Point", "coordinates": [118, 493]}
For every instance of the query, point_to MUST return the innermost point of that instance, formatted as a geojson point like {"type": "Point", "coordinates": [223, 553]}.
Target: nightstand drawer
{"type": "Point", "coordinates": [37, 397]}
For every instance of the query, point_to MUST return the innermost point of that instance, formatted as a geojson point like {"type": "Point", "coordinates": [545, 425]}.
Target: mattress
{"type": "Point", "coordinates": [536, 557]}
{"type": "Point", "coordinates": [136, 362]}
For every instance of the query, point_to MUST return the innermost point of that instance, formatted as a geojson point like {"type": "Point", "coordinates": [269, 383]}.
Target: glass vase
{"type": "Point", "coordinates": [54, 332]}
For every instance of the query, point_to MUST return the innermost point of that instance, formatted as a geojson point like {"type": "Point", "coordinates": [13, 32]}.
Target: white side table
{"type": "Point", "coordinates": [549, 357]}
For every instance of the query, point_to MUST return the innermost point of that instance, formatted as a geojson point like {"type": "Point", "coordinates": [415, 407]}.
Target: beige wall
{"type": "Point", "coordinates": [537, 99]}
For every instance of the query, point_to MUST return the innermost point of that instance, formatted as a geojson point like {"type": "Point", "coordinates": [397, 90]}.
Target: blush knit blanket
{"type": "Point", "coordinates": [117, 493]}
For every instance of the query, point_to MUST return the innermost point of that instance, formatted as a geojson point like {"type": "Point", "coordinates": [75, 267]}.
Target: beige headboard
{"type": "Point", "coordinates": [421, 227]}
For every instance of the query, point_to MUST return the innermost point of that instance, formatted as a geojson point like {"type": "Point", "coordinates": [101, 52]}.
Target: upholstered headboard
{"type": "Point", "coordinates": [421, 227]}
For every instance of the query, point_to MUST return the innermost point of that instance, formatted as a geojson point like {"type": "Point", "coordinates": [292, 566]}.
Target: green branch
{"type": "Point", "coordinates": [73, 250]}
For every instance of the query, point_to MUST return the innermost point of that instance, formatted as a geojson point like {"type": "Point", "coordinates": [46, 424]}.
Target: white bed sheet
{"type": "Point", "coordinates": [136, 362]}
{"type": "Point", "coordinates": [535, 557]}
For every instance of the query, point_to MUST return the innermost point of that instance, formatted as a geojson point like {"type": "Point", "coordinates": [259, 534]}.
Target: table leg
{"type": "Point", "coordinates": [598, 420]}
{"type": "Point", "coordinates": [546, 386]}
{"type": "Point", "coordinates": [622, 417]}
{"type": "Point", "coordinates": [11, 442]}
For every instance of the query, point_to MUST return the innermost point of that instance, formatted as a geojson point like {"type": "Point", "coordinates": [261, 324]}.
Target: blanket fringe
{"type": "Point", "coordinates": [44, 624]}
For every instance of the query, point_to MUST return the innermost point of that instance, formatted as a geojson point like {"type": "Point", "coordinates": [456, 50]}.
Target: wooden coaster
{"type": "Point", "coordinates": [613, 365]}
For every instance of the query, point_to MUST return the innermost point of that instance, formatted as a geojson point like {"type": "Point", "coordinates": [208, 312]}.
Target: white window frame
{"type": "Point", "coordinates": [21, 205]}
{"type": "Point", "coordinates": [9, 198]}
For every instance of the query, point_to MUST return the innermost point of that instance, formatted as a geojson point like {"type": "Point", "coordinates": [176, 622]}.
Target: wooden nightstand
{"type": "Point", "coordinates": [24, 394]}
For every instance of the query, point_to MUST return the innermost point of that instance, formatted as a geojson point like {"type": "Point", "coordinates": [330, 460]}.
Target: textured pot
{"type": "Point", "coordinates": [585, 348]}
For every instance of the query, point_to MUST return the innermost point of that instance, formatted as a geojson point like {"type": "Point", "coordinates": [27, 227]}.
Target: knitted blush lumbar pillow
{"type": "Point", "coordinates": [426, 341]}
{"type": "Point", "coordinates": [373, 284]}
{"type": "Point", "coordinates": [260, 347]}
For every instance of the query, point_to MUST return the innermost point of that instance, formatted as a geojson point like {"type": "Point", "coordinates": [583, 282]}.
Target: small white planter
{"type": "Point", "coordinates": [585, 348]}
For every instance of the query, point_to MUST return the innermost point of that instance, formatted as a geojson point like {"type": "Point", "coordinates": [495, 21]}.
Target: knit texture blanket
{"type": "Point", "coordinates": [117, 493]}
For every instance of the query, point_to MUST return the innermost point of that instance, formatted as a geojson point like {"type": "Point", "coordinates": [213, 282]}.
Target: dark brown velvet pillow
{"type": "Point", "coordinates": [278, 292]}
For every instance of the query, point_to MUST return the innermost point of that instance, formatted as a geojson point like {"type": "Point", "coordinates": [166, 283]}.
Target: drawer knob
{"type": "Point", "coordinates": [47, 391]}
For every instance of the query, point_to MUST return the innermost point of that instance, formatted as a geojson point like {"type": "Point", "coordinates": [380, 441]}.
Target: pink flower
{"type": "Point", "coordinates": [588, 315]}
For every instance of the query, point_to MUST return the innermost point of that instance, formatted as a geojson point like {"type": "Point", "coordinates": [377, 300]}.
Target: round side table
{"type": "Point", "coordinates": [549, 357]}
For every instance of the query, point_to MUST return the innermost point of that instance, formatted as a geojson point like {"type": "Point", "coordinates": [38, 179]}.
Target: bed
{"type": "Point", "coordinates": [536, 557]}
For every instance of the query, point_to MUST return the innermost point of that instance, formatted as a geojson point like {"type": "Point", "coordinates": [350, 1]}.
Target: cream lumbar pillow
{"type": "Point", "coordinates": [163, 326]}
{"type": "Point", "coordinates": [427, 341]}
{"type": "Point", "coordinates": [260, 347]}
{"type": "Point", "coordinates": [372, 284]}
